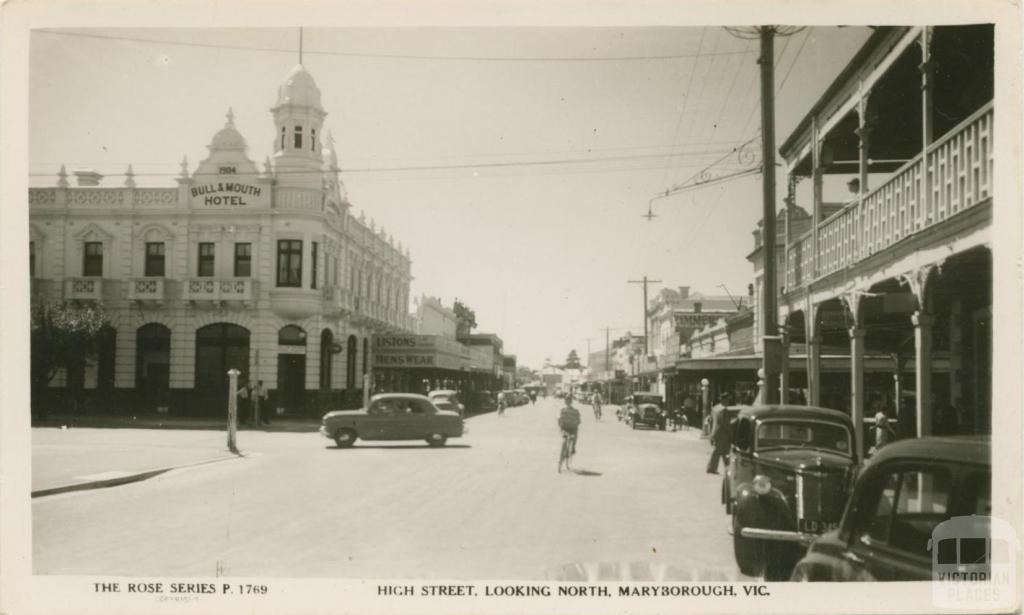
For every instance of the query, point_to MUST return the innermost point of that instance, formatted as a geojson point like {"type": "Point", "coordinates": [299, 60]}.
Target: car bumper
{"type": "Point", "coordinates": [323, 431]}
{"type": "Point", "coordinates": [778, 535]}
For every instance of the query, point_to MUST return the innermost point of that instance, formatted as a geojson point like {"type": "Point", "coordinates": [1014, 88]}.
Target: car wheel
{"type": "Point", "coordinates": [748, 551]}
{"type": "Point", "coordinates": [437, 439]}
{"type": "Point", "coordinates": [344, 438]}
{"type": "Point", "coordinates": [801, 575]}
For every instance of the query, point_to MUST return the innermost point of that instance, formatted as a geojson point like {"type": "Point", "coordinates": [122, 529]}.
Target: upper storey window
{"type": "Point", "coordinates": [284, 134]}
{"type": "Point", "coordinates": [289, 263]}
{"type": "Point", "coordinates": [298, 137]}
{"type": "Point", "coordinates": [92, 261]}
{"type": "Point", "coordinates": [312, 139]}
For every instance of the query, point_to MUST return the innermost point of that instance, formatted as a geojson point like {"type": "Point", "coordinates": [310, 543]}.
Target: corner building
{"type": "Point", "coordinates": [262, 270]}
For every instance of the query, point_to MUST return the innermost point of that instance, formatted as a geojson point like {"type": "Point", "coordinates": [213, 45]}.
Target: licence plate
{"type": "Point", "coordinates": [815, 526]}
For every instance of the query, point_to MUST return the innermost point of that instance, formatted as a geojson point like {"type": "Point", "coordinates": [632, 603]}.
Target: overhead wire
{"type": "Point", "coordinates": [132, 39]}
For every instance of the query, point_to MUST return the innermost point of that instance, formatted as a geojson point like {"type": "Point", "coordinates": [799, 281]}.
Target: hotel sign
{"type": "Point", "coordinates": [226, 194]}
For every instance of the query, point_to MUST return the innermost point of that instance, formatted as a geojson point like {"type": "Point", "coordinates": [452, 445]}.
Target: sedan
{"type": "Point", "coordinates": [393, 416]}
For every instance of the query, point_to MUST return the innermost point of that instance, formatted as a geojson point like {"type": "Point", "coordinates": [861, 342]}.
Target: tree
{"type": "Point", "coordinates": [62, 336]}
{"type": "Point", "coordinates": [526, 375]}
{"type": "Point", "coordinates": [572, 361]}
{"type": "Point", "coordinates": [465, 318]}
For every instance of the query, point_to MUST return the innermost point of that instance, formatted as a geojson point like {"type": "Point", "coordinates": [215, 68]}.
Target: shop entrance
{"type": "Point", "coordinates": [291, 382]}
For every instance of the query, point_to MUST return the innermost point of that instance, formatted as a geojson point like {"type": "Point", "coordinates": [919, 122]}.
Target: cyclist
{"type": "Point", "coordinates": [501, 403]}
{"type": "Point", "coordinates": [569, 422]}
{"type": "Point", "coordinates": [597, 405]}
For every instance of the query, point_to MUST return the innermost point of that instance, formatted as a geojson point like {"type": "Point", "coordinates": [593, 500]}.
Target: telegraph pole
{"type": "Point", "coordinates": [772, 344]}
{"type": "Point", "coordinates": [645, 282]}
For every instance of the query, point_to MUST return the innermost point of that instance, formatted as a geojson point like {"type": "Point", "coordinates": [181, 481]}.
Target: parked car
{"type": "Point", "coordinates": [646, 409]}
{"type": "Point", "coordinates": [904, 493]}
{"type": "Point", "coordinates": [393, 416]}
{"type": "Point", "coordinates": [483, 401]}
{"type": "Point", "coordinates": [789, 475]}
{"type": "Point", "coordinates": [449, 396]}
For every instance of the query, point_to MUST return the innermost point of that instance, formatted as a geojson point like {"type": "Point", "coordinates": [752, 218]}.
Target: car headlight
{"type": "Point", "coordinates": [762, 484]}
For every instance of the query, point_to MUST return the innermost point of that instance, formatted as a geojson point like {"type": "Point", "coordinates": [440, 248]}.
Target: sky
{"type": "Point", "coordinates": [545, 147]}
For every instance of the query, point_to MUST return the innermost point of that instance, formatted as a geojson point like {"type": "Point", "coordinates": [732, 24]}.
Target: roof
{"type": "Point", "coordinates": [299, 88]}
{"type": "Point", "coordinates": [958, 449]}
{"type": "Point", "coordinates": [795, 412]}
{"type": "Point", "coordinates": [879, 36]}
{"type": "Point", "coordinates": [399, 396]}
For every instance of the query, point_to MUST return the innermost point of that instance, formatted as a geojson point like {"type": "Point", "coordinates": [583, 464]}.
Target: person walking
{"type": "Point", "coordinates": [259, 400]}
{"type": "Point", "coordinates": [244, 407]}
{"type": "Point", "coordinates": [719, 434]}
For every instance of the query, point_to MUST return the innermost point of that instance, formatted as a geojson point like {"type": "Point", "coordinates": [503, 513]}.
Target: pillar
{"type": "Point", "coordinates": [923, 370]}
{"type": "Point", "coordinates": [784, 367]}
{"type": "Point", "coordinates": [927, 105]}
{"type": "Point", "coordinates": [814, 370]}
{"type": "Point", "coordinates": [816, 178]}
{"type": "Point", "coordinates": [857, 386]}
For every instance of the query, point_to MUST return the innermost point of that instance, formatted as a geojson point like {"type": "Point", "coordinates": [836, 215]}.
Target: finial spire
{"type": "Point", "coordinates": [231, 116]}
{"type": "Point", "coordinates": [184, 166]}
{"type": "Point", "coordinates": [62, 177]}
{"type": "Point", "coordinates": [300, 45]}
{"type": "Point", "coordinates": [129, 177]}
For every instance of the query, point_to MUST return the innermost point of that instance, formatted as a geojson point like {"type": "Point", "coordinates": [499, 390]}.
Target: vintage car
{"type": "Point", "coordinates": [449, 396]}
{"type": "Point", "coordinates": [646, 409]}
{"type": "Point", "coordinates": [789, 475]}
{"type": "Point", "coordinates": [905, 495]}
{"type": "Point", "coordinates": [393, 416]}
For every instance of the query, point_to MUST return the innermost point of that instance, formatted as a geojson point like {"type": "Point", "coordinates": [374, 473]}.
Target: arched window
{"type": "Point", "coordinates": [366, 355]}
{"type": "Point", "coordinates": [326, 358]}
{"type": "Point", "coordinates": [284, 132]}
{"type": "Point", "coordinates": [298, 138]}
{"type": "Point", "coordinates": [291, 335]}
{"type": "Point", "coordinates": [352, 347]}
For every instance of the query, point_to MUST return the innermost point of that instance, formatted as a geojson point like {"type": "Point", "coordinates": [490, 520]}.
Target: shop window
{"type": "Point", "coordinates": [92, 262]}
{"type": "Point", "coordinates": [243, 260]}
{"type": "Point", "coordinates": [154, 259]}
{"type": "Point", "coordinates": [206, 262]}
{"type": "Point", "coordinates": [289, 263]}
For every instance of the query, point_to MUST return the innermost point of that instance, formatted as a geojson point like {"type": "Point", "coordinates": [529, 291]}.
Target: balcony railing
{"type": "Point", "coordinates": [83, 289]}
{"type": "Point", "coordinates": [146, 289]}
{"type": "Point", "coordinates": [955, 173]}
{"type": "Point", "coordinates": [218, 289]}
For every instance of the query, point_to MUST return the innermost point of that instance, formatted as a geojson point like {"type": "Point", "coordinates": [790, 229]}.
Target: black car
{"type": "Point", "coordinates": [647, 409]}
{"type": "Point", "coordinates": [788, 478]}
{"type": "Point", "coordinates": [902, 498]}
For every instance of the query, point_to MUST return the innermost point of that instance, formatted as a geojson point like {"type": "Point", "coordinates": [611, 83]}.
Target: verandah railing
{"type": "Point", "coordinates": [956, 172]}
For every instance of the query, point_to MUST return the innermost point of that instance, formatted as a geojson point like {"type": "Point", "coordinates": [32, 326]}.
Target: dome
{"type": "Point", "coordinates": [299, 89]}
{"type": "Point", "coordinates": [228, 137]}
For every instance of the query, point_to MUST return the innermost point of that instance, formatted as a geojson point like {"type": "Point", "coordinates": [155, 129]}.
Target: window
{"type": "Point", "coordinates": [313, 265]}
{"type": "Point", "coordinates": [243, 260]}
{"type": "Point", "coordinates": [910, 504]}
{"type": "Point", "coordinates": [298, 137]}
{"type": "Point", "coordinates": [32, 259]}
{"type": "Point", "coordinates": [206, 252]}
{"type": "Point", "coordinates": [291, 335]}
{"type": "Point", "coordinates": [92, 262]}
{"type": "Point", "coordinates": [284, 133]}
{"type": "Point", "coordinates": [289, 263]}
{"type": "Point", "coordinates": [312, 139]}
{"type": "Point", "coordinates": [154, 259]}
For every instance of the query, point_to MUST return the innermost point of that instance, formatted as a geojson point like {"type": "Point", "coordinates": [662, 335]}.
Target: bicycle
{"type": "Point", "coordinates": [568, 444]}
{"type": "Point", "coordinates": [597, 411]}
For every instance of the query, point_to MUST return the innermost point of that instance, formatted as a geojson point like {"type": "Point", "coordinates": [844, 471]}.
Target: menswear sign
{"type": "Point", "coordinates": [419, 352]}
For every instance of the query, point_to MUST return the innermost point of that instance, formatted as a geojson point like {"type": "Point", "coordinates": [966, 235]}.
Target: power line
{"type": "Point", "coordinates": [686, 102]}
{"type": "Point", "coordinates": [385, 56]}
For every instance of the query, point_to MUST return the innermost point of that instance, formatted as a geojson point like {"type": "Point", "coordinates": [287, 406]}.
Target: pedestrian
{"type": "Point", "coordinates": [244, 408]}
{"type": "Point", "coordinates": [501, 403]}
{"type": "Point", "coordinates": [884, 432]}
{"type": "Point", "coordinates": [719, 433]}
{"type": "Point", "coordinates": [259, 399]}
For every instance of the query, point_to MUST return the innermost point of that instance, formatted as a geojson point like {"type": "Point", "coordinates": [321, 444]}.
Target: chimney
{"type": "Point", "coordinates": [684, 292]}
{"type": "Point", "coordinates": [88, 177]}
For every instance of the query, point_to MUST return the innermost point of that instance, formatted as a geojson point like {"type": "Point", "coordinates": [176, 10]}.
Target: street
{"type": "Point", "coordinates": [638, 506]}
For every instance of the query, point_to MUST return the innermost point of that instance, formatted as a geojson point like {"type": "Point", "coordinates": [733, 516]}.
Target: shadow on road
{"type": "Point", "coordinates": [366, 447]}
{"type": "Point", "coordinates": [582, 472]}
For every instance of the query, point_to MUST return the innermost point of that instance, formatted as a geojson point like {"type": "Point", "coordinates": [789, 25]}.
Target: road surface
{"type": "Point", "coordinates": [491, 505]}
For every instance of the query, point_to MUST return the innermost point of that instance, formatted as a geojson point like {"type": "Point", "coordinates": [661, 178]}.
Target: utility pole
{"type": "Point", "coordinates": [645, 282]}
{"type": "Point", "coordinates": [772, 344]}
